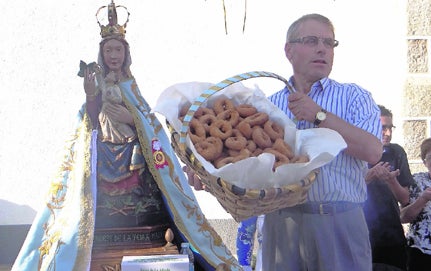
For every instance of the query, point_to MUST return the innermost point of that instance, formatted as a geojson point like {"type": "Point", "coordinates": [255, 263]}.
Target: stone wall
{"type": "Point", "coordinates": [416, 109]}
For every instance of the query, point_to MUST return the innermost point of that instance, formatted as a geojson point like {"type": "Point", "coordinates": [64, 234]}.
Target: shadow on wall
{"type": "Point", "coordinates": [13, 214]}
{"type": "Point", "coordinates": [14, 226]}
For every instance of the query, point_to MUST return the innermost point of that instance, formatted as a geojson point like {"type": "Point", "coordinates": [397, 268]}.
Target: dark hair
{"type": "Point", "coordinates": [384, 111]}
{"type": "Point", "coordinates": [425, 147]}
{"type": "Point", "coordinates": [292, 32]}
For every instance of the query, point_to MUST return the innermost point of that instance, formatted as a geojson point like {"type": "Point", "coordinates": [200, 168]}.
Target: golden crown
{"type": "Point", "coordinates": [112, 28]}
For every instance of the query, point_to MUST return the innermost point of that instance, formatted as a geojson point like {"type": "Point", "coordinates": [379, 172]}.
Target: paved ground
{"type": "Point", "coordinates": [227, 229]}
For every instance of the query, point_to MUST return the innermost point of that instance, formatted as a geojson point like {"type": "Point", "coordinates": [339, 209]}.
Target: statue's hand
{"type": "Point", "coordinates": [89, 83]}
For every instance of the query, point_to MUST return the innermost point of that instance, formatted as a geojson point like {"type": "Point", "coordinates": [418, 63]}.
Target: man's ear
{"type": "Point", "coordinates": [287, 50]}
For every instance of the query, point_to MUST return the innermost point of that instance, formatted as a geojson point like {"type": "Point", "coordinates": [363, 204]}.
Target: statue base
{"type": "Point", "coordinates": [110, 245]}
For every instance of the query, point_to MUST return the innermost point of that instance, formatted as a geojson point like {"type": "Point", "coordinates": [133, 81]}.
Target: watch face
{"type": "Point", "coordinates": [321, 115]}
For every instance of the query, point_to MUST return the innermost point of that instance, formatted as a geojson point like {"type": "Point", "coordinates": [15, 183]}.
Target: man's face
{"type": "Point", "coordinates": [387, 126]}
{"type": "Point", "coordinates": [311, 63]}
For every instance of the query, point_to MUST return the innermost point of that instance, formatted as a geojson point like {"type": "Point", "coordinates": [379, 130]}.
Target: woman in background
{"type": "Point", "coordinates": [418, 214]}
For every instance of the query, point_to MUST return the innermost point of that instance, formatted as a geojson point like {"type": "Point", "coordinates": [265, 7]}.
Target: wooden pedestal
{"type": "Point", "coordinates": [108, 256]}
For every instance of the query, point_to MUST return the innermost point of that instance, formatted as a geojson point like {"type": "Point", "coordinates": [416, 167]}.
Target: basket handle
{"type": "Point", "coordinates": [217, 87]}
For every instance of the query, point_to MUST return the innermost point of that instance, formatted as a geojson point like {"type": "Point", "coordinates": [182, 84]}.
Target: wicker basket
{"type": "Point", "coordinates": [241, 203]}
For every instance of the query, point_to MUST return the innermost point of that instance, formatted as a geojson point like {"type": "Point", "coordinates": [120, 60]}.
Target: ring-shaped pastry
{"type": "Point", "coordinates": [223, 162]}
{"type": "Point", "coordinates": [210, 148]}
{"type": "Point", "coordinates": [229, 115]}
{"type": "Point", "coordinates": [231, 152]}
{"type": "Point", "coordinates": [281, 146]}
{"type": "Point", "coordinates": [245, 128]}
{"type": "Point", "coordinates": [221, 129]}
{"type": "Point", "coordinates": [236, 142]}
{"type": "Point", "coordinates": [246, 110]}
{"type": "Point", "coordinates": [206, 121]}
{"type": "Point", "coordinates": [257, 119]}
{"type": "Point", "coordinates": [236, 132]}
{"type": "Point", "coordinates": [280, 159]}
{"type": "Point", "coordinates": [258, 151]}
{"type": "Point", "coordinates": [261, 138]}
{"type": "Point", "coordinates": [196, 129]}
{"type": "Point", "coordinates": [222, 104]}
{"type": "Point", "coordinates": [243, 154]}
{"type": "Point", "coordinates": [273, 130]}
{"type": "Point", "coordinates": [251, 146]}
{"type": "Point", "coordinates": [202, 111]}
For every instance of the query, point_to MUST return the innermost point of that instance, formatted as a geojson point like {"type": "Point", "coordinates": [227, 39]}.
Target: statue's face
{"type": "Point", "coordinates": [114, 55]}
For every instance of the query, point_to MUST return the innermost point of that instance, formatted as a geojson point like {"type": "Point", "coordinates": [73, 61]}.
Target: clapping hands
{"type": "Point", "coordinates": [426, 194]}
{"type": "Point", "coordinates": [382, 171]}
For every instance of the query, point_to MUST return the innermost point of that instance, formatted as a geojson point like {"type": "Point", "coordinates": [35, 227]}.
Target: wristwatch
{"type": "Point", "coordinates": [320, 116]}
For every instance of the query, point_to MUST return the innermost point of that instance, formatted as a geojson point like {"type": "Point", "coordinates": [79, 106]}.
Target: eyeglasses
{"type": "Point", "coordinates": [313, 41]}
{"type": "Point", "coordinates": [387, 128]}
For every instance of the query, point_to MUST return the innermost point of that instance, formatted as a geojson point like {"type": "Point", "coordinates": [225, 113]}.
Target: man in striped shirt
{"type": "Point", "coordinates": [328, 232]}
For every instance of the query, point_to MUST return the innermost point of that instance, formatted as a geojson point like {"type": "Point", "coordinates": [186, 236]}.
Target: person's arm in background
{"type": "Point", "coordinates": [401, 193]}
{"type": "Point", "coordinates": [381, 171]}
{"type": "Point", "coordinates": [404, 179]}
{"type": "Point", "coordinates": [410, 212]}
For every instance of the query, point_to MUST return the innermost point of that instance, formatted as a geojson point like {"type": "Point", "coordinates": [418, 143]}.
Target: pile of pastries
{"type": "Point", "coordinates": [227, 133]}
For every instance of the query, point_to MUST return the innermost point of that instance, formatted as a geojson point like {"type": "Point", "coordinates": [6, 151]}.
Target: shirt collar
{"type": "Point", "coordinates": [318, 85]}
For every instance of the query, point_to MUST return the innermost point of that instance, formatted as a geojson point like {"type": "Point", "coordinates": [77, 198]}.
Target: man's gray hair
{"type": "Point", "coordinates": [292, 32]}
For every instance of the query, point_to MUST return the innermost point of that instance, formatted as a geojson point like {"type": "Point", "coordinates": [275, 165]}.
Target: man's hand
{"type": "Point", "coordinates": [303, 107]}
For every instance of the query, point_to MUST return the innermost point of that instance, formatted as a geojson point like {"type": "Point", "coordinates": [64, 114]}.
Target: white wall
{"type": "Point", "coordinates": [171, 41]}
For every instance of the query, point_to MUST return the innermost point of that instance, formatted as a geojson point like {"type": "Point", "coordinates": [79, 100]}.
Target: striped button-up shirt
{"type": "Point", "coordinates": [342, 179]}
